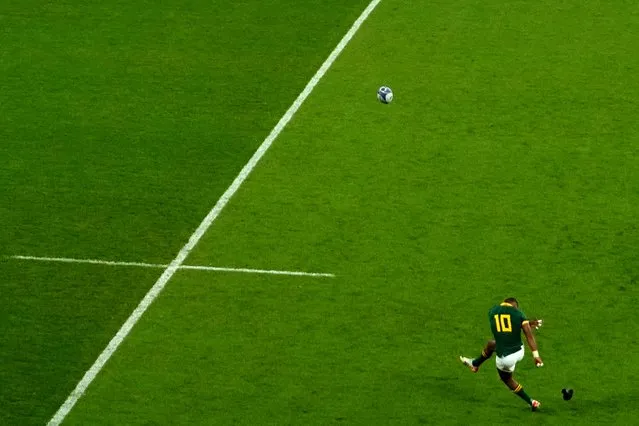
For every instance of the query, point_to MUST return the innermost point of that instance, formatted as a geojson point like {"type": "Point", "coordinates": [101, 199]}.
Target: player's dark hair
{"type": "Point", "coordinates": [511, 300]}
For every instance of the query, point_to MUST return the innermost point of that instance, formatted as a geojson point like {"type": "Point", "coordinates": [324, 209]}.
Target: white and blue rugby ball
{"type": "Point", "coordinates": [385, 95]}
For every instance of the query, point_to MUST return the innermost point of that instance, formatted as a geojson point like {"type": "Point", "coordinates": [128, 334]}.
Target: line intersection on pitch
{"type": "Point", "coordinates": [162, 266]}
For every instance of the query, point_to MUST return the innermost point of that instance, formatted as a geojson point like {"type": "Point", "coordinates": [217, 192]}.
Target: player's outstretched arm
{"type": "Point", "coordinates": [532, 344]}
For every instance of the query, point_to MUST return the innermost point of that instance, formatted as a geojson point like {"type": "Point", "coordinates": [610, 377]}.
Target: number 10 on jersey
{"type": "Point", "coordinates": [503, 324]}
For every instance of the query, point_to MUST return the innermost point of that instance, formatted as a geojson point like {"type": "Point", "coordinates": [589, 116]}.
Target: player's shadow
{"type": "Point", "coordinates": [611, 404]}
{"type": "Point", "coordinates": [450, 385]}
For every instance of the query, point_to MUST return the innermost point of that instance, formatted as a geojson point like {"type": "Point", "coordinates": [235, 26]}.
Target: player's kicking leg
{"type": "Point", "coordinates": [505, 367]}
{"type": "Point", "coordinates": [486, 353]}
{"type": "Point", "coordinates": [518, 389]}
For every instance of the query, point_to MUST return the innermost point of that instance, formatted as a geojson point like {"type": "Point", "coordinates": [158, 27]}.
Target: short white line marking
{"type": "Point", "coordinates": [157, 265]}
{"type": "Point", "coordinates": [258, 271]}
{"type": "Point", "coordinates": [157, 288]}
{"type": "Point", "coordinates": [91, 261]}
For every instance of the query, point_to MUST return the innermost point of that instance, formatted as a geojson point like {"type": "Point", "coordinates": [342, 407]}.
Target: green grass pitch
{"type": "Point", "coordinates": [507, 165]}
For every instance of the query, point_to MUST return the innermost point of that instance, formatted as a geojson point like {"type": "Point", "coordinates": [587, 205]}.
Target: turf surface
{"type": "Point", "coordinates": [507, 165]}
{"type": "Point", "coordinates": [121, 124]}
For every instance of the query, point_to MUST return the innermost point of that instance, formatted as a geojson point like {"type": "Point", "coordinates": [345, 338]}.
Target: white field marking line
{"type": "Point", "coordinates": [91, 261]}
{"type": "Point", "coordinates": [157, 288]}
{"type": "Point", "coordinates": [157, 265]}
{"type": "Point", "coordinates": [259, 271]}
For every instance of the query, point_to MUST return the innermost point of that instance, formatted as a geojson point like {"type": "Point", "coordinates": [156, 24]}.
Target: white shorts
{"type": "Point", "coordinates": [509, 362]}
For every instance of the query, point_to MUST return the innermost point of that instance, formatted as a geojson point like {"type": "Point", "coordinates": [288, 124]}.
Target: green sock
{"type": "Point", "coordinates": [520, 392]}
{"type": "Point", "coordinates": [480, 359]}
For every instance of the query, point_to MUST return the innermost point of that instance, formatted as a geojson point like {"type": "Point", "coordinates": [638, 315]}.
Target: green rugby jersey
{"type": "Point", "coordinates": [506, 322]}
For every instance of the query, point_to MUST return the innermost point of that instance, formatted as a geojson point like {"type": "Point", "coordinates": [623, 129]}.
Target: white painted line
{"type": "Point", "coordinates": [157, 288]}
{"type": "Point", "coordinates": [156, 265]}
{"type": "Point", "coordinates": [259, 271]}
{"type": "Point", "coordinates": [91, 261]}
